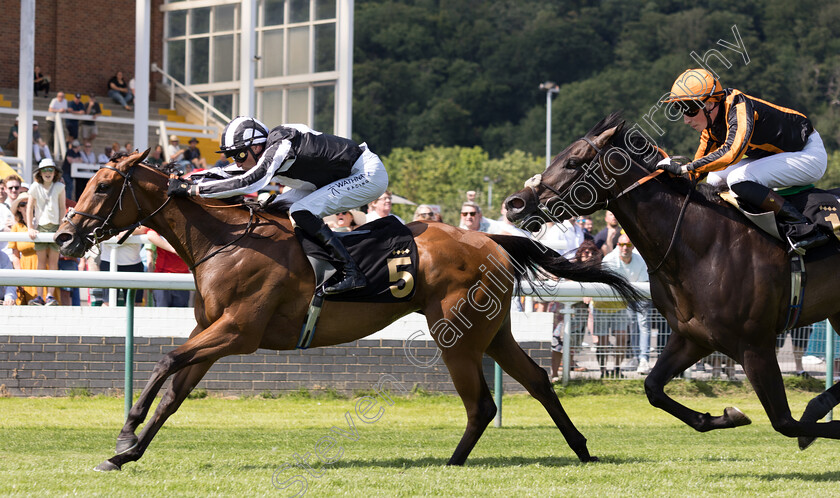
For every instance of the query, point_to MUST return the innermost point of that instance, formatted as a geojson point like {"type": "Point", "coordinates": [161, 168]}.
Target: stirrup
{"type": "Point", "coordinates": [350, 281]}
{"type": "Point", "coordinates": [802, 246]}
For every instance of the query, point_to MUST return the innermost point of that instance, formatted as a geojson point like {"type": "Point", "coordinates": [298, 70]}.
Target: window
{"type": "Point", "coordinates": [297, 48]}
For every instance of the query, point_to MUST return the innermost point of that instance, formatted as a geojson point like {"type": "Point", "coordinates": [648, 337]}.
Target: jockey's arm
{"type": "Point", "coordinates": [739, 130]}
{"type": "Point", "coordinates": [253, 180]}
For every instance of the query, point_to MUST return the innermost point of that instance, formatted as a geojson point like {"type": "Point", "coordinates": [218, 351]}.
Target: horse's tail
{"type": "Point", "coordinates": [529, 259]}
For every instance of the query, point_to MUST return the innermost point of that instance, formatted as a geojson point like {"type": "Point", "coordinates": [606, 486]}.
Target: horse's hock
{"type": "Point", "coordinates": [53, 350]}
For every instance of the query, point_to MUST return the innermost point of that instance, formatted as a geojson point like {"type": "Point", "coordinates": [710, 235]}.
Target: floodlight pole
{"type": "Point", "coordinates": [549, 87]}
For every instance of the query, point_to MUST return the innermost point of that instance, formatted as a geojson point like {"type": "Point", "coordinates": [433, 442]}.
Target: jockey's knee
{"type": "Point", "coordinates": [739, 175]}
{"type": "Point", "coordinates": [715, 179]}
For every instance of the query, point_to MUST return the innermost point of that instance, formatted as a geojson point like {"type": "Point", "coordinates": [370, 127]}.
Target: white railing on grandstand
{"type": "Point", "coordinates": [205, 106]}
{"type": "Point", "coordinates": [163, 127]}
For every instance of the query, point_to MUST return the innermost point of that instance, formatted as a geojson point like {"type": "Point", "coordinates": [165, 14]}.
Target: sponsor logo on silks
{"type": "Point", "coordinates": [351, 183]}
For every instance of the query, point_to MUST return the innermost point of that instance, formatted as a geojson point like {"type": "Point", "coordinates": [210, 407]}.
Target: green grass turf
{"type": "Point", "coordinates": [231, 447]}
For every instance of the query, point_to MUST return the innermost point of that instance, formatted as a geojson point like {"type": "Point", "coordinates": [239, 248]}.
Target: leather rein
{"type": "Point", "coordinates": [103, 232]}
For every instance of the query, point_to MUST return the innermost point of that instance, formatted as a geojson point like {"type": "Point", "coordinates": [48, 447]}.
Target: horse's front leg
{"type": "Point", "coordinates": [137, 414]}
{"type": "Point", "coordinates": [762, 369]}
{"type": "Point", "coordinates": [223, 338]}
{"type": "Point", "coordinates": [678, 355]}
{"type": "Point", "coordinates": [820, 406]}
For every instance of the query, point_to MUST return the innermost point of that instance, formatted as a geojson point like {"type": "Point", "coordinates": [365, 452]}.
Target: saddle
{"type": "Point", "coordinates": [820, 207]}
{"type": "Point", "coordinates": [384, 250]}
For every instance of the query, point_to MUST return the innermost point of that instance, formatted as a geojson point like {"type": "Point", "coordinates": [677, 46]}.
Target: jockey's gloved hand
{"type": "Point", "coordinates": [181, 187]}
{"type": "Point", "coordinates": [671, 166]}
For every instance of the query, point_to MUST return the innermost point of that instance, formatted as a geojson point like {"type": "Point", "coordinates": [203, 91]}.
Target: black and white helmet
{"type": "Point", "coordinates": [242, 133]}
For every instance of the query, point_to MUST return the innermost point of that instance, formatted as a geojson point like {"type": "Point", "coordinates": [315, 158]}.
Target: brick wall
{"type": "Point", "coordinates": [40, 365]}
{"type": "Point", "coordinates": [81, 45]}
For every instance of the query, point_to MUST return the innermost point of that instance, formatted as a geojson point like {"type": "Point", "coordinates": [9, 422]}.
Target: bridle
{"type": "Point", "coordinates": [599, 152]}
{"type": "Point", "coordinates": [104, 231]}
{"type": "Point", "coordinates": [537, 179]}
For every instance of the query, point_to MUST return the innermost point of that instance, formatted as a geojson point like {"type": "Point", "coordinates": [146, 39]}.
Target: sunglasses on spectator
{"type": "Point", "coordinates": [12, 188]}
{"type": "Point", "coordinates": [343, 212]}
{"type": "Point", "coordinates": [625, 244]}
{"type": "Point", "coordinates": [48, 170]}
{"type": "Point", "coordinates": [468, 213]}
{"type": "Point", "coordinates": [22, 205]}
{"type": "Point", "coordinates": [426, 215]}
{"type": "Point", "coordinates": [238, 156]}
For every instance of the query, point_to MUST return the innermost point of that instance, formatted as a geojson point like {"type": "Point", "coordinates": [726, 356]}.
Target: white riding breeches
{"type": "Point", "coordinates": [367, 181]}
{"type": "Point", "coordinates": [785, 169]}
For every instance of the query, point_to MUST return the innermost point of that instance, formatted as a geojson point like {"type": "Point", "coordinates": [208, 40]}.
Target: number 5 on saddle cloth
{"type": "Point", "coordinates": [384, 251]}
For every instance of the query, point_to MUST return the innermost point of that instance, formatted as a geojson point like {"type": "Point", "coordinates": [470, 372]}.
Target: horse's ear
{"type": "Point", "coordinates": [604, 138]}
{"type": "Point", "coordinates": [144, 155]}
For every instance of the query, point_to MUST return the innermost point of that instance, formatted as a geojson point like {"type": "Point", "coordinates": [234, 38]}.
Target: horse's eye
{"type": "Point", "coordinates": [102, 188]}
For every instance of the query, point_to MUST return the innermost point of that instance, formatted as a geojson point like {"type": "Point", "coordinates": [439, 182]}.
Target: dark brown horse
{"type": "Point", "coordinates": [723, 285]}
{"type": "Point", "coordinates": [255, 292]}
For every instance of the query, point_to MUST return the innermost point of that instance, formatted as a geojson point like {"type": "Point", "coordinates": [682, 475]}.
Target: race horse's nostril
{"type": "Point", "coordinates": [62, 238]}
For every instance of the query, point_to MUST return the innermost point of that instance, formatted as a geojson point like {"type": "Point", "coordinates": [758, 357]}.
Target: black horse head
{"type": "Point", "coordinates": [583, 177]}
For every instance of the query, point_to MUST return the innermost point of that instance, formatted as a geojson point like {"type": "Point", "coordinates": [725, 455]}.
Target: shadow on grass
{"type": "Point", "coordinates": [492, 462]}
{"type": "Point", "coordinates": [831, 476]}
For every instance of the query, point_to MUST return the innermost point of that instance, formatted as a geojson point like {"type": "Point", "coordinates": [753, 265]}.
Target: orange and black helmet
{"type": "Point", "coordinates": [695, 84]}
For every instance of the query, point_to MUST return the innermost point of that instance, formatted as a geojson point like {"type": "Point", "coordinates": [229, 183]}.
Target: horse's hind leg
{"type": "Point", "coordinates": [522, 368]}
{"type": "Point", "coordinates": [820, 406]}
{"type": "Point", "coordinates": [469, 382]}
{"type": "Point", "coordinates": [678, 355]}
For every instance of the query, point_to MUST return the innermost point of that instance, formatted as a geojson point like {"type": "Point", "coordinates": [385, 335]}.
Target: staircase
{"type": "Point", "coordinates": [107, 132]}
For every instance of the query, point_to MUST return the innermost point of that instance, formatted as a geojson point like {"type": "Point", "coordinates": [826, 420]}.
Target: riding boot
{"type": "Point", "coordinates": [801, 234]}
{"type": "Point", "coordinates": [352, 278]}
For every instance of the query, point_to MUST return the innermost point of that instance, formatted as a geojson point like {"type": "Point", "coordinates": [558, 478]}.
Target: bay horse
{"type": "Point", "coordinates": [254, 284]}
{"type": "Point", "coordinates": [722, 284]}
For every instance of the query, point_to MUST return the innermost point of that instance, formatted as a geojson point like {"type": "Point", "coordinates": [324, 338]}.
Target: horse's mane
{"type": "Point", "coordinates": [646, 153]}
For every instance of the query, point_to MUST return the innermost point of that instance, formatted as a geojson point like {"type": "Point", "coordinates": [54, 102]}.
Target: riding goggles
{"type": "Point", "coordinates": [238, 156]}
{"type": "Point", "coordinates": [691, 107]}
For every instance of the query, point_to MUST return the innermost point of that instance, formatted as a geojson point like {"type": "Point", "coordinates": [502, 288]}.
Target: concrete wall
{"type": "Point", "coordinates": [48, 351]}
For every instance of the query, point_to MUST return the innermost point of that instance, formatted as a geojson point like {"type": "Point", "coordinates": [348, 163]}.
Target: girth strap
{"type": "Point", "coordinates": [797, 290]}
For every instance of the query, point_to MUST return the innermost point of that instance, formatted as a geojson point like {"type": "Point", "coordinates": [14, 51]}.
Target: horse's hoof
{"type": "Point", "coordinates": [805, 441]}
{"type": "Point", "coordinates": [106, 466]}
{"type": "Point", "coordinates": [736, 416]}
{"type": "Point", "coordinates": [125, 444]}
{"type": "Point", "coordinates": [592, 459]}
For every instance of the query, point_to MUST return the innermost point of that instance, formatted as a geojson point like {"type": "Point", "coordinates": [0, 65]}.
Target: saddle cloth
{"type": "Point", "coordinates": [384, 250]}
{"type": "Point", "coordinates": [821, 207]}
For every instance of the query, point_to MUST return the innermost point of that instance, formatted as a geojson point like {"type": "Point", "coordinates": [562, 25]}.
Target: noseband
{"type": "Point", "coordinates": [103, 231]}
